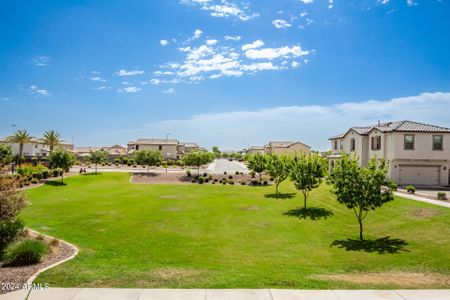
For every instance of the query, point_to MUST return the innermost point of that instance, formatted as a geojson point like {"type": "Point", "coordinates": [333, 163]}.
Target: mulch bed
{"type": "Point", "coordinates": [182, 178]}
{"type": "Point", "coordinates": [426, 196]}
{"type": "Point", "coordinates": [16, 277]}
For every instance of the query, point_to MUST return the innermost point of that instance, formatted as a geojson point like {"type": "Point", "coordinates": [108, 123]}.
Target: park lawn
{"type": "Point", "coordinates": [215, 236]}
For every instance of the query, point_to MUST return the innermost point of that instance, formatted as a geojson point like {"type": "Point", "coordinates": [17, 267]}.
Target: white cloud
{"type": "Point", "coordinates": [98, 79]}
{"type": "Point", "coordinates": [35, 90]}
{"type": "Point", "coordinates": [101, 88]}
{"type": "Point", "coordinates": [330, 4]}
{"type": "Point", "coordinates": [273, 53]}
{"type": "Point", "coordinates": [129, 73]}
{"type": "Point", "coordinates": [169, 91]}
{"type": "Point", "coordinates": [254, 45]}
{"type": "Point", "coordinates": [41, 61]}
{"type": "Point", "coordinates": [223, 8]}
{"type": "Point", "coordinates": [307, 1]}
{"type": "Point", "coordinates": [318, 122]}
{"type": "Point", "coordinates": [281, 24]}
{"type": "Point", "coordinates": [129, 89]}
{"type": "Point", "coordinates": [164, 42]}
{"type": "Point", "coordinates": [197, 34]}
{"type": "Point", "coordinates": [232, 38]}
{"type": "Point", "coordinates": [211, 42]}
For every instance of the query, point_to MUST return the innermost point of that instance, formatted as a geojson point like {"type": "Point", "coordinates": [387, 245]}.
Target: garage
{"type": "Point", "coordinates": [419, 175]}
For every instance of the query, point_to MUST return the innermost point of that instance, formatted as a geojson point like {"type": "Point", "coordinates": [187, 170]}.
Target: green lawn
{"type": "Point", "coordinates": [197, 236]}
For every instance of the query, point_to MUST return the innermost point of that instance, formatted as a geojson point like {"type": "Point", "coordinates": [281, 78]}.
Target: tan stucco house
{"type": "Point", "coordinates": [286, 148]}
{"type": "Point", "coordinates": [167, 147]}
{"type": "Point", "coordinates": [256, 149]}
{"type": "Point", "coordinates": [419, 154]}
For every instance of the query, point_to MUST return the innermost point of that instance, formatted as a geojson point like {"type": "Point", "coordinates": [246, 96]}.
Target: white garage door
{"type": "Point", "coordinates": [420, 175]}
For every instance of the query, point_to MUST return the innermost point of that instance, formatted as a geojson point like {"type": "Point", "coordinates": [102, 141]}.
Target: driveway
{"type": "Point", "coordinates": [219, 166]}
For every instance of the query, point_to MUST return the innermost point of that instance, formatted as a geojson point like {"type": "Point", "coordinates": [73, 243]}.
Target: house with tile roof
{"type": "Point", "coordinates": [288, 147]}
{"type": "Point", "coordinates": [418, 153]}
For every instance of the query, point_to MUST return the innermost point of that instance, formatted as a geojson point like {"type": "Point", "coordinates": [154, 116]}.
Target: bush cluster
{"type": "Point", "coordinates": [25, 252]}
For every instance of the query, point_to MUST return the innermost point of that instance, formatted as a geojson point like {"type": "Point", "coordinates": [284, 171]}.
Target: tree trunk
{"type": "Point", "coordinates": [360, 230]}
{"type": "Point", "coordinates": [62, 176]}
{"type": "Point", "coordinates": [305, 196]}
{"type": "Point", "coordinates": [95, 168]}
{"type": "Point", "coordinates": [198, 170]}
{"type": "Point", "coordinates": [260, 177]}
{"type": "Point", "coordinates": [20, 153]}
{"type": "Point", "coordinates": [276, 187]}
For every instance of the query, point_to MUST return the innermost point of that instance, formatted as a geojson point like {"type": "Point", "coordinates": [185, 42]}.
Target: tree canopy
{"type": "Point", "coordinates": [51, 139]}
{"type": "Point", "coordinates": [61, 159]}
{"type": "Point", "coordinates": [5, 155]}
{"type": "Point", "coordinates": [20, 137]}
{"type": "Point", "coordinates": [198, 159]}
{"type": "Point", "coordinates": [277, 166]}
{"type": "Point", "coordinates": [148, 158]}
{"type": "Point", "coordinates": [97, 157]}
{"type": "Point", "coordinates": [361, 189]}
{"type": "Point", "coordinates": [257, 163]}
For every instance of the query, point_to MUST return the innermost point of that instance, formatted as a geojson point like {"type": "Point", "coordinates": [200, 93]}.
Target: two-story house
{"type": "Point", "coordinates": [286, 148]}
{"type": "Point", "coordinates": [418, 154]}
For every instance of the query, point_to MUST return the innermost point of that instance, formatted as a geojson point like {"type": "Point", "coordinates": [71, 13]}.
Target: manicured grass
{"type": "Point", "coordinates": [197, 236]}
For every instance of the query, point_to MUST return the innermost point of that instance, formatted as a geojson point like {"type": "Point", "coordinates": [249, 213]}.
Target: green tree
{"type": "Point", "coordinates": [20, 137]}
{"type": "Point", "coordinates": [148, 158]}
{"type": "Point", "coordinates": [307, 173]}
{"type": "Point", "coordinates": [277, 166]}
{"type": "Point", "coordinates": [97, 157]}
{"type": "Point", "coordinates": [257, 163]}
{"type": "Point", "coordinates": [361, 189]}
{"type": "Point", "coordinates": [51, 139]}
{"type": "Point", "coordinates": [63, 159]}
{"type": "Point", "coordinates": [216, 151]}
{"type": "Point", "coordinates": [198, 159]}
{"type": "Point", "coordinates": [5, 155]}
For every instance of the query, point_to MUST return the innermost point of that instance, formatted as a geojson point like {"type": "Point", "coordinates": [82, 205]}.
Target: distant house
{"type": "Point", "coordinates": [256, 149]}
{"type": "Point", "coordinates": [167, 147]}
{"type": "Point", "coordinates": [116, 150]}
{"type": "Point", "coordinates": [419, 154]}
{"type": "Point", "coordinates": [286, 148]}
{"type": "Point", "coordinates": [184, 148]}
{"type": "Point", "coordinates": [35, 148]}
{"type": "Point", "coordinates": [84, 151]}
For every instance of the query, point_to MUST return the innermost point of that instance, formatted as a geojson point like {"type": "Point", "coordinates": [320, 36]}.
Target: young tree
{"type": "Point", "coordinates": [361, 189]}
{"type": "Point", "coordinates": [307, 173]}
{"type": "Point", "coordinates": [51, 139]}
{"type": "Point", "coordinates": [148, 158]}
{"type": "Point", "coordinates": [5, 155]}
{"type": "Point", "coordinates": [257, 163]}
{"type": "Point", "coordinates": [12, 202]}
{"type": "Point", "coordinates": [20, 137]}
{"type": "Point", "coordinates": [63, 159]}
{"type": "Point", "coordinates": [216, 151]}
{"type": "Point", "coordinates": [198, 159]}
{"type": "Point", "coordinates": [277, 166]}
{"type": "Point", "coordinates": [97, 157]}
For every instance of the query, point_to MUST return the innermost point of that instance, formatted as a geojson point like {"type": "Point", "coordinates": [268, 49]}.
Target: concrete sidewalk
{"type": "Point", "coordinates": [422, 199]}
{"type": "Point", "coordinates": [228, 294]}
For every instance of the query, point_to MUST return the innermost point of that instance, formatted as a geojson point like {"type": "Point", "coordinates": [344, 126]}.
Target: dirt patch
{"type": "Point", "coordinates": [251, 208]}
{"type": "Point", "coordinates": [398, 279]}
{"type": "Point", "coordinates": [423, 213]}
{"type": "Point", "coordinates": [18, 276]}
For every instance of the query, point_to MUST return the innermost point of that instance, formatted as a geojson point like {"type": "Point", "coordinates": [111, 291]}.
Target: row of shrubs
{"type": "Point", "coordinates": [440, 195]}
{"type": "Point", "coordinates": [28, 174]}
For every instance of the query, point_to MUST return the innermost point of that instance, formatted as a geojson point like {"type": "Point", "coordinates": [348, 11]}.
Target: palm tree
{"type": "Point", "coordinates": [51, 139]}
{"type": "Point", "coordinates": [20, 137]}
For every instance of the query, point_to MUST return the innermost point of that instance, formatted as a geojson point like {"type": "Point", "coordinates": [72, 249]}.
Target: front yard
{"type": "Point", "coordinates": [222, 236]}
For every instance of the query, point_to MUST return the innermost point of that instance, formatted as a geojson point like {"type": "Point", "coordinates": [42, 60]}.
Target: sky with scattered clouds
{"type": "Point", "coordinates": [230, 73]}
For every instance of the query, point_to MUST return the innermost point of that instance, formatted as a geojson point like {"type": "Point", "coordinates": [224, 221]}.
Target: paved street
{"type": "Point", "coordinates": [229, 294]}
{"type": "Point", "coordinates": [224, 165]}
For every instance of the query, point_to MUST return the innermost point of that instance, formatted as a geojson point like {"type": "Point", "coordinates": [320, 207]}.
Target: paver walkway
{"type": "Point", "coordinates": [231, 294]}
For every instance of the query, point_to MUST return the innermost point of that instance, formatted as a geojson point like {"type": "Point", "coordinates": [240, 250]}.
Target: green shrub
{"type": "Point", "coordinates": [45, 174]}
{"type": "Point", "coordinates": [34, 181]}
{"type": "Point", "coordinates": [201, 180]}
{"type": "Point", "coordinates": [410, 189]}
{"type": "Point", "coordinates": [224, 182]}
{"type": "Point", "coordinates": [231, 182]}
{"type": "Point", "coordinates": [230, 177]}
{"type": "Point", "coordinates": [216, 180]}
{"type": "Point", "coordinates": [441, 196]}
{"type": "Point", "coordinates": [205, 175]}
{"type": "Point", "coordinates": [134, 166]}
{"type": "Point", "coordinates": [26, 183]}
{"type": "Point", "coordinates": [253, 174]}
{"type": "Point", "coordinates": [188, 173]}
{"type": "Point", "coordinates": [243, 183]}
{"type": "Point", "coordinates": [9, 232]}
{"type": "Point", "coordinates": [193, 180]}
{"type": "Point", "coordinates": [25, 170]}
{"type": "Point", "coordinates": [236, 173]}
{"type": "Point", "coordinates": [117, 160]}
{"type": "Point", "coordinates": [394, 187]}
{"type": "Point", "coordinates": [25, 252]}
{"type": "Point", "coordinates": [225, 173]}
{"type": "Point", "coordinates": [265, 182]}
{"type": "Point", "coordinates": [210, 177]}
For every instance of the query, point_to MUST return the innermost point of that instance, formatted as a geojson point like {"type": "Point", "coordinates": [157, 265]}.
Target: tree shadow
{"type": "Point", "coordinates": [280, 195]}
{"type": "Point", "coordinates": [55, 183]}
{"type": "Point", "coordinates": [91, 174]}
{"type": "Point", "coordinates": [313, 213]}
{"type": "Point", "coordinates": [381, 246]}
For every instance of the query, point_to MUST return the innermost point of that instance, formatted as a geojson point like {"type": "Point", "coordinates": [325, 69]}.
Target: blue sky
{"type": "Point", "coordinates": [221, 72]}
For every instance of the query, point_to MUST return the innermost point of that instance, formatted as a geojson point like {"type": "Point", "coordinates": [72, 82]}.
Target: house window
{"type": "Point", "coordinates": [438, 142]}
{"type": "Point", "coordinates": [341, 144]}
{"type": "Point", "coordinates": [408, 141]}
{"type": "Point", "coordinates": [160, 147]}
{"type": "Point", "coordinates": [335, 145]}
{"type": "Point", "coordinates": [375, 142]}
{"type": "Point", "coordinates": [352, 144]}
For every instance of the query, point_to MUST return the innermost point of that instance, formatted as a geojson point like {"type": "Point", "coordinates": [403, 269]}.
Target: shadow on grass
{"type": "Point", "coordinates": [55, 183]}
{"type": "Point", "coordinates": [313, 213]}
{"type": "Point", "coordinates": [384, 245]}
{"type": "Point", "coordinates": [91, 174]}
{"type": "Point", "coordinates": [280, 196]}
